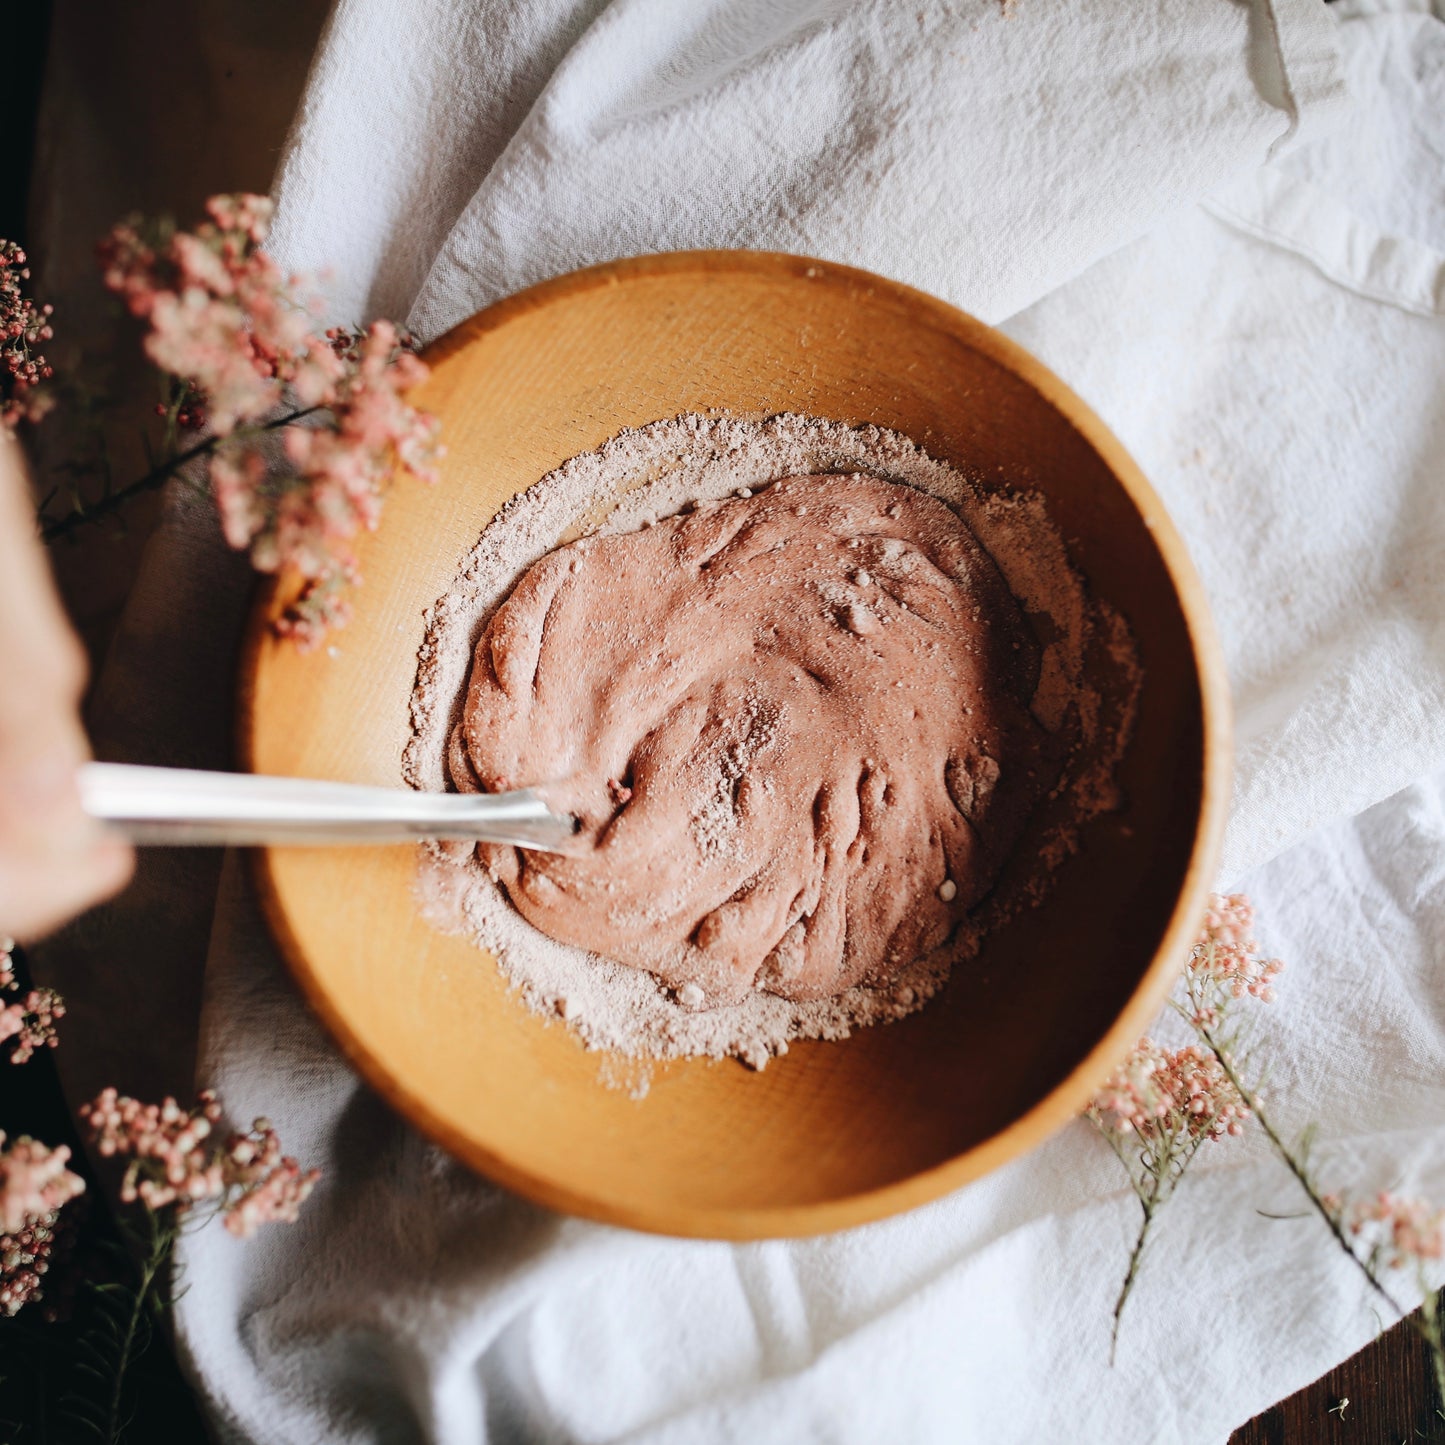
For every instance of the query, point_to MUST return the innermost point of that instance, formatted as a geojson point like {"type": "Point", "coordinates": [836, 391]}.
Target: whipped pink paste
{"type": "Point", "coordinates": [795, 727]}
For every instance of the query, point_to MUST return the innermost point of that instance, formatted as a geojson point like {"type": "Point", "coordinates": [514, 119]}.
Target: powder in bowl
{"type": "Point", "coordinates": [806, 689]}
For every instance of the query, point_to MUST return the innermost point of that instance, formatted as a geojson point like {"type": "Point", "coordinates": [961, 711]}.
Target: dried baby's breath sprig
{"type": "Point", "coordinates": [176, 1161]}
{"type": "Point", "coordinates": [300, 429]}
{"type": "Point", "coordinates": [1225, 964]}
{"type": "Point", "coordinates": [30, 1023]}
{"type": "Point", "coordinates": [34, 1182]}
{"type": "Point", "coordinates": [1160, 1106]}
{"type": "Point", "coordinates": [1156, 1110]}
{"type": "Point", "coordinates": [25, 326]}
{"type": "Point", "coordinates": [1396, 1233]}
{"type": "Point", "coordinates": [35, 1185]}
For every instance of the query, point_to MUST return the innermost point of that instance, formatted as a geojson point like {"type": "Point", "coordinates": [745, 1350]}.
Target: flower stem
{"type": "Point", "coordinates": [1427, 1326]}
{"type": "Point", "coordinates": [1132, 1273]}
{"type": "Point", "coordinates": [1301, 1174]}
{"type": "Point", "coordinates": [154, 1261]}
{"type": "Point", "coordinates": [53, 530]}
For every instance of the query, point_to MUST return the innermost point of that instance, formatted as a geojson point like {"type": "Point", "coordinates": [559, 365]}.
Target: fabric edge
{"type": "Point", "coordinates": [1311, 69]}
{"type": "Point", "coordinates": [1298, 216]}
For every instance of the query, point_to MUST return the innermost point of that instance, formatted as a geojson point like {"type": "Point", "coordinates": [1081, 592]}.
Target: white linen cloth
{"type": "Point", "coordinates": [1275, 363]}
{"type": "Point", "coordinates": [448, 154]}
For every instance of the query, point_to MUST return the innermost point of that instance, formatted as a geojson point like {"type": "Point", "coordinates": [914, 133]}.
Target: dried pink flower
{"type": "Point", "coordinates": [34, 1182]}
{"type": "Point", "coordinates": [127, 267]}
{"type": "Point", "coordinates": [269, 1188]}
{"type": "Point", "coordinates": [23, 327]}
{"type": "Point", "coordinates": [1404, 1231]}
{"type": "Point", "coordinates": [222, 315]}
{"type": "Point", "coordinates": [1156, 1094]}
{"type": "Point", "coordinates": [239, 333]}
{"type": "Point", "coordinates": [1160, 1107]}
{"type": "Point", "coordinates": [334, 474]}
{"type": "Point", "coordinates": [319, 606]}
{"type": "Point", "coordinates": [175, 1160]}
{"type": "Point", "coordinates": [7, 963]}
{"type": "Point", "coordinates": [241, 217]}
{"type": "Point", "coordinates": [1225, 962]}
{"type": "Point", "coordinates": [200, 337]}
{"type": "Point", "coordinates": [24, 1259]}
{"type": "Point", "coordinates": [31, 1023]}
{"type": "Point", "coordinates": [164, 1143]}
{"type": "Point", "coordinates": [237, 481]}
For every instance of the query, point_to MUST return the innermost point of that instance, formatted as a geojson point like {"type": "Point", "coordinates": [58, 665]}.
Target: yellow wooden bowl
{"type": "Point", "coordinates": [833, 1134]}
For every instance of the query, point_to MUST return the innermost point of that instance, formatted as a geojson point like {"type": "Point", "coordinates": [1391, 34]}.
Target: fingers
{"type": "Point", "coordinates": [54, 860]}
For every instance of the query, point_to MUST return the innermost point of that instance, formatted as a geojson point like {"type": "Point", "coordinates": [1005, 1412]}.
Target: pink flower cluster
{"type": "Point", "coordinates": [174, 1160]}
{"type": "Point", "coordinates": [225, 320]}
{"type": "Point", "coordinates": [1225, 962]}
{"type": "Point", "coordinates": [165, 1144]}
{"type": "Point", "coordinates": [34, 1183]}
{"type": "Point", "coordinates": [30, 1021]}
{"type": "Point", "coordinates": [1156, 1093]}
{"type": "Point", "coordinates": [23, 326]}
{"type": "Point", "coordinates": [1407, 1231]}
{"type": "Point", "coordinates": [1228, 951]}
{"type": "Point", "coordinates": [221, 315]}
{"type": "Point", "coordinates": [270, 1188]}
{"type": "Point", "coordinates": [24, 1260]}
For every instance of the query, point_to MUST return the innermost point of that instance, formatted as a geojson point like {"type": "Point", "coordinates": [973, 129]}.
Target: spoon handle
{"type": "Point", "coordinates": [181, 806]}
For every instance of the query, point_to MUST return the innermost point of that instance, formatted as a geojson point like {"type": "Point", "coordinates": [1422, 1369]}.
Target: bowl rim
{"type": "Point", "coordinates": [1069, 1096]}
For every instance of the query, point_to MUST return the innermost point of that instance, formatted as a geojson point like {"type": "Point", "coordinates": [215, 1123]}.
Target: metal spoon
{"type": "Point", "coordinates": [178, 805]}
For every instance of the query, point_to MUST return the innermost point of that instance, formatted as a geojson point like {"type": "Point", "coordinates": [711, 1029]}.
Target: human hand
{"type": "Point", "coordinates": [54, 860]}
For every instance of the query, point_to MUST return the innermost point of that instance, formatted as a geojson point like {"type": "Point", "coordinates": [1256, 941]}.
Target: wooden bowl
{"type": "Point", "coordinates": [832, 1134]}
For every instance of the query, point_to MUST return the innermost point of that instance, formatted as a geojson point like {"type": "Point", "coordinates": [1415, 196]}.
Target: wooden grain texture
{"type": "Point", "coordinates": [832, 1134]}
{"type": "Point", "coordinates": [1391, 1396]}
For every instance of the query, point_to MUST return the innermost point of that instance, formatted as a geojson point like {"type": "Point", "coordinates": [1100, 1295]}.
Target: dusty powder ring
{"type": "Point", "coordinates": [654, 473]}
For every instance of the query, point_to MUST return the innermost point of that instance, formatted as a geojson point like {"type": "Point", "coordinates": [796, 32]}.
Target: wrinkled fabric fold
{"type": "Point", "coordinates": [447, 155]}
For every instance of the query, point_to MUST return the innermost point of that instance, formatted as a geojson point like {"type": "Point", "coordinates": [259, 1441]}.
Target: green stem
{"type": "Point", "coordinates": [157, 476]}
{"type": "Point", "coordinates": [1429, 1328]}
{"type": "Point", "coordinates": [1296, 1168]}
{"type": "Point", "coordinates": [1132, 1273]}
{"type": "Point", "coordinates": [152, 1265]}
{"type": "Point", "coordinates": [1427, 1322]}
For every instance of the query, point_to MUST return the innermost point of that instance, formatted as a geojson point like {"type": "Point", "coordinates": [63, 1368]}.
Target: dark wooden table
{"type": "Point", "coordinates": [1391, 1395]}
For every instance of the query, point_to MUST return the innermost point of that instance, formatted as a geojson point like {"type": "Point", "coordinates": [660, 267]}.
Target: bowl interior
{"type": "Point", "coordinates": [832, 1134]}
